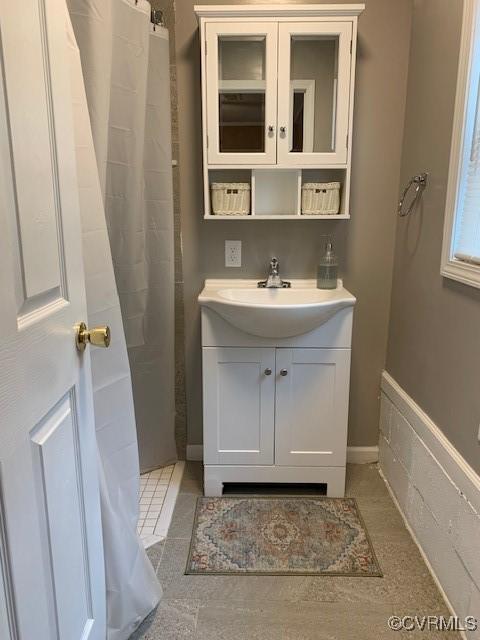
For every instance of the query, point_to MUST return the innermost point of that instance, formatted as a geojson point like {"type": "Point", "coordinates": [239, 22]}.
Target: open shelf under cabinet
{"type": "Point", "coordinates": [276, 194]}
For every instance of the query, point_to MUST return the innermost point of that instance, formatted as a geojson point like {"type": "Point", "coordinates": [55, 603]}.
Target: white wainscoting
{"type": "Point", "coordinates": [438, 494]}
{"type": "Point", "coordinates": [355, 455]}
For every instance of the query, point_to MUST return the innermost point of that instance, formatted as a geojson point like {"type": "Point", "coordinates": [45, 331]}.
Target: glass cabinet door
{"type": "Point", "coordinates": [241, 63]}
{"type": "Point", "coordinates": [313, 92]}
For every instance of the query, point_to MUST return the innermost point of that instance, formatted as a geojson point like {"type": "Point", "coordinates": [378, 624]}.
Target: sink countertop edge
{"type": "Point", "coordinates": [209, 293]}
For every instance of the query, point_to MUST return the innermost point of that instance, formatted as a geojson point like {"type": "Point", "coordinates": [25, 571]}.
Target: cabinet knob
{"type": "Point", "coordinates": [283, 130]}
{"type": "Point", "coordinates": [268, 371]}
{"type": "Point", "coordinates": [283, 372]}
{"type": "Point", "coordinates": [271, 128]}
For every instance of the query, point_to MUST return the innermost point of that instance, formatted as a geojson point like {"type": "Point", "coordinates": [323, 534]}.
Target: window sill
{"type": "Point", "coordinates": [462, 272]}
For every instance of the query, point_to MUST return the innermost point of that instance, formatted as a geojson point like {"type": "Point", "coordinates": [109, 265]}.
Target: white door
{"type": "Point", "coordinates": [238, 411]}
{"type": "Point", "coordinates": [311, 407]}
{"type": "Point", "coordinates": [241, 65]}
{"type": "Point", "coordinates": [51, 576]}
{"type": "Point", "coordinates": [314, 70]}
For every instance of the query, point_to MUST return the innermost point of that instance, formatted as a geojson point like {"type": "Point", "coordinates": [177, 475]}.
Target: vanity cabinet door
{"type": "Point", "coordinates": [314, 77]}
{"type": "Point", "coordinates": [241, 92]}
{"type": "Point", "coordinates": [238, 412]}
{"type": "Point", "coordinates": [311, 409]}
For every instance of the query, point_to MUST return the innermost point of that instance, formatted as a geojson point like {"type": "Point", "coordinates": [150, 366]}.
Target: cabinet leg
{"type": "Point", "coordinates": [212, 485]}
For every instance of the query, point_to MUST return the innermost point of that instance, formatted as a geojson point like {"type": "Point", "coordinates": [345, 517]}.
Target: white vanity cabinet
{"type": "Point", "coordinates": [277, 93]}
{"type": "Point", "coordinates": [275, 410]}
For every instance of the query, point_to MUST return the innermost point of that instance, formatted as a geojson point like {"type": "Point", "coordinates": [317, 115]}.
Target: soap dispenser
{"type": "Point", "coordinates": [327, 269]}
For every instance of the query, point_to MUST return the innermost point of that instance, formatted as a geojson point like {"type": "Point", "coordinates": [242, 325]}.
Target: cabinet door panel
{"type": "Point", "coordinates": [241, 67]}
{"type": "Point", "coordinates": [311, 409]}
{"type": "Point", "coordinates": [238, 405]}
{"type": "Point", "coordinates": [314, 66]}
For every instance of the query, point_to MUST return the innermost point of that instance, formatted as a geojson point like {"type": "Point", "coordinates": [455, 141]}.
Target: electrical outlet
{"type": "Point", "coordinates": [233, 253]}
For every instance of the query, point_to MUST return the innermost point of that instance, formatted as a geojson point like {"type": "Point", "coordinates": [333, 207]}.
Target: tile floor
{"type": "Point", "coordinates": [158, 494]}
{"type": "Point", "coordinates": [153, 489]}
{"type": "Point", "coordinates": [294, 607]}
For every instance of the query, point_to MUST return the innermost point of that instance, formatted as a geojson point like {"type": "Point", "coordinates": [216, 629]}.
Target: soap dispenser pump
{"type": "Point", "coordinates": [327, 271]}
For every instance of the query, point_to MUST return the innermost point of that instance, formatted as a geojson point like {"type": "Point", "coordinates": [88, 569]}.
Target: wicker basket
{"type": "Point", "coordinates": [230, 198]}
{"type": "Point", "coordinates": [320, 198]}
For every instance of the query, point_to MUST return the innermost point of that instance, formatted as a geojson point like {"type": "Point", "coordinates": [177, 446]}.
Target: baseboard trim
{"type": "Point", "coordinates": [362, 455]}
{"type": "Point", "coordinates": [355, 455]}
{"type": "Point", "coordinates": [438, 494]}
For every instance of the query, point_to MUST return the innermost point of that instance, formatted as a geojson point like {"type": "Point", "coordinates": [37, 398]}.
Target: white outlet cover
{"type": "Point", "coordinates": [233, 253]}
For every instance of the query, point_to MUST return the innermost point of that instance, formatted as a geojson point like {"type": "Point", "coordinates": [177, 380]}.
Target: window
{"type": "Point", "coordinates": [461, 242]}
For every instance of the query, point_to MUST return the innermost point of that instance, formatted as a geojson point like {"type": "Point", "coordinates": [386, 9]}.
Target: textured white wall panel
{"type": "Point", "coordinates": [438, 494]}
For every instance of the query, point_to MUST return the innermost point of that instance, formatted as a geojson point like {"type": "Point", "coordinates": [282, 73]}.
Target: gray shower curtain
{"type": "Point", "coordinates": [132, 589]}
{"type": "Point", "coordinates": [125, 63]}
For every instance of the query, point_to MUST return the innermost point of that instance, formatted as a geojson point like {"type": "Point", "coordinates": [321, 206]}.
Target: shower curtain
{"type": "Point", "coordinates": [125, 66]}
{"type": "Point", "coordinates": [132, 589]}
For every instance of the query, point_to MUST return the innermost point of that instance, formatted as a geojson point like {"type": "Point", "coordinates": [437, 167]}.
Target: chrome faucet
{"type": "Point", "coordinates": [273, 280]}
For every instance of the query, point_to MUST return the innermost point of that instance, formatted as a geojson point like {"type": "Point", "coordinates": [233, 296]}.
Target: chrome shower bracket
{"type": "Point", "coordinates": [419, 182]}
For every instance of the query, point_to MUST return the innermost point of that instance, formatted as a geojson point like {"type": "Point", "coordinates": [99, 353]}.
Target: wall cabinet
{"type": "Point", "coordinates": [314, 64]}
{"type": "Point", "coordinates": [241, 83]}
{"type": "Point", "coordinates": [277, 92]}
{"type": "Point", "coordinates": [275, 410]}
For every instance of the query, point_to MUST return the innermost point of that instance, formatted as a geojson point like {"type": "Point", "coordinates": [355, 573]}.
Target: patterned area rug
{"type": "Point", "coordinates": [280, 536]}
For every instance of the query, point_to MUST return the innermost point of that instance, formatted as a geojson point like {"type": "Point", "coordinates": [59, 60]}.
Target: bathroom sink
{"type": "Point", "coordinates": [274, 313]}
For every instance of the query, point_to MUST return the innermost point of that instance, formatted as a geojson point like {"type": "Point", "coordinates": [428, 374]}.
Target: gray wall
{"type": "Point", "coordinates": [365, 243]}
{"type": "Point", "coordinates": [434, 336]}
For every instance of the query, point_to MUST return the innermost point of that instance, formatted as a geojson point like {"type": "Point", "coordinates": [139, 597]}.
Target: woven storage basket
{"type": "Point", "coordinates": [230, 198]}
{"type": "Point", "coordinates": [320, 198]}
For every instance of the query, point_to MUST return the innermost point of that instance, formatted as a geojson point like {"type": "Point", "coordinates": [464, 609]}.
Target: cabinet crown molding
{"type": "Point", "coordinates": [277, 10]}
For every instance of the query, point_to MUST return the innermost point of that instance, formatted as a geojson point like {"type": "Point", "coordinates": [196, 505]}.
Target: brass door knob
{"type": "Point", "coordinates": [98, 336]}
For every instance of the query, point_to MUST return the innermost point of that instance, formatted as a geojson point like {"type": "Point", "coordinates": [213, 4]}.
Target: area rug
{"type": "Point", "coordinates": [280, 536]}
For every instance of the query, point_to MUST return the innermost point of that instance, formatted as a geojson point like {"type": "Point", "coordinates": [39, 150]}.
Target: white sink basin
{"type": "Point", "coordinates": [274, 313]}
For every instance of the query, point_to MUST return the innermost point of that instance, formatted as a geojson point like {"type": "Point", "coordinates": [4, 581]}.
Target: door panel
{"type": "Point", "coordinates": [241, 92]}
{"type": "Point", "coordinates": [31, 131]}
{"type": "Point", "coordinates": [238, 405]}
{"type": "Point", "coordinates": [62, 511]}
{"type": "Point", "coordinates": [51, 550]}
{"type": "Point", "coordinates": [313, 92]}
{"type": "Point", "coordinates": [311, 408]}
